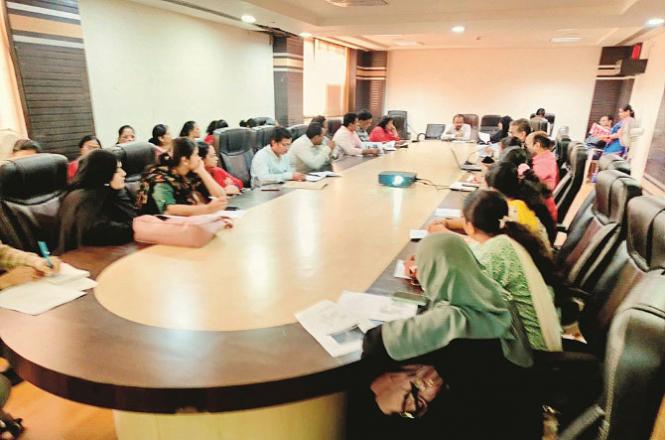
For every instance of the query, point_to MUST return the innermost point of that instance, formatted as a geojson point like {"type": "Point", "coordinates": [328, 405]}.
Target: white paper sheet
{"type": "Point", "coordinates": [376, 307]}
{"type": "Point", "coordinates": [67, 273]}
{"type": "Point", "coordinates": [37, 297]}
{"type": "Point", "coordinates": [448, 213]}
{"type": "Point", "coordinates": [324, 174]}
{"type": "Point", "coordinates": [82, 284]}
{"type": "Point", "coordinates": [417, 234]}
{"type": "Point", "coordinates": [399, 270]}
{"type": "Point", "coordinates": [311, 178]}
{"type": "Point", "coordinates": [332, 327]}
{"type": "Point", "coordinates": [389, 146]}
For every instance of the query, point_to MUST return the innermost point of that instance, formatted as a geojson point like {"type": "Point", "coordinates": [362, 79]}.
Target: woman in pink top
{"type": "Point", "coordinates": [385, 131]}
{"type": "Point", "coordinates": [543, 160]}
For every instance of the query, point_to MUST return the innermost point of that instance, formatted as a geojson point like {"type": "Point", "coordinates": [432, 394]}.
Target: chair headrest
{"type": "Point", "coordinates": [577, 155]}
{"type": "Point", "coordinates": [614, 190]}
{"type": "Point", "coordinates": [136, 156]}
{"type": "Point", "coordinates": [235, 140]}
{"type": "Point", "coordinates": [646, 232]}
{"type": "Point", "coordinates": [264, 120]}
{"type": "Point", "coordinates": [33, 179]}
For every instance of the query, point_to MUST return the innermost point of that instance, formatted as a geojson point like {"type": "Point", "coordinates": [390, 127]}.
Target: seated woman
{"type": "Point", "coordinates": [472, 338]}
{"type": "Point", "coordinates": [618, 140]}
{"type": "Point", "coordinates": [179, 184]}
{"type": "Point", "coordinates": [191, 130]}
{"type": "Point", "coordinates": [126, 134]}
{"type": "Point", "coordinates": [385, 131]}
{"type": "Point", "coordinates": [503, 125]}
{"type": "Point", "coordinates": [232, 185]}
{"type": "Point", "coordinates": [214, 125]}
{"type": "Point", "coordinates": [97, 210]}
{"type": "Point", "coordinates": [87, 144]}
{"type": "Point", "coordinates": [162, 139]}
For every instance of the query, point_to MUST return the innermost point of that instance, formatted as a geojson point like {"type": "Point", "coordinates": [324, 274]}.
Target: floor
{"type": "Point", "coordinates": [50, 417]}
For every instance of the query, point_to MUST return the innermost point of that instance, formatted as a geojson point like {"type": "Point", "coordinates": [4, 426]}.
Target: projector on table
{"type": "Point", "coordinates": [397, 179]}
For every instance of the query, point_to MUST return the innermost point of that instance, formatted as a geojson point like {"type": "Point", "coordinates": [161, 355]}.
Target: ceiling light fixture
{"type": "Point", "coordinates": [563, 40]}
{"type": "Point", "coordinates": [407, 43]}
{"type": "Point", "coordinates": [458, 29]}
{"type": "Point", "coordinates": [305, 35]}
{"type": "Point", "coordinates": [248, 19]}
{"type": "Point", "coordinates": [656, 21]}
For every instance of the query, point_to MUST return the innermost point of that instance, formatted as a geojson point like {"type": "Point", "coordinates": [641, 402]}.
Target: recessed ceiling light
{"type": "Point", "coordinates": [407, 43]}
{"type": "Point", "coordinates": [305, 35]}
{"type": "Point", "coordinates": [458, 29]}
{"type": "Point", "coordinates": [562, 40]}
{"type": "Point", "coordinates": [656, 21]}
{"type": "Point", "coordinates": [248, 19]}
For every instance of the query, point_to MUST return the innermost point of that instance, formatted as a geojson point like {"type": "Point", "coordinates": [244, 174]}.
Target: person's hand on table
{"type": "Point", "coordinates": [19, 275]}
{"type": "Point", "coordinates": [42, 266]}
{"type": "Point", "coordinates": [410, 268]}
{"type": "Point", "coordinates": [371, 152]}
{"type": "Point", "coordinates": [299, 177]}
{"type": "Point", "coordinates": [216, 204]}
{"type": "Point", "coordinates": [438, 225]}
{"type": "Point", "coordinates": [231, 190]}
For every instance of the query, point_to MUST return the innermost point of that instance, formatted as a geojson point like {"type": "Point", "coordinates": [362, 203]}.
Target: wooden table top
{"type": "Point", "coordinates": [212, 329]}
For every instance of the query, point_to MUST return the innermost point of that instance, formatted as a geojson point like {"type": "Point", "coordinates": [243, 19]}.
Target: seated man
{"type": "Point", "coordinates": [364, 121]}
{"type": "Point", "coordinates": [458, 130]}
{"type": "Point", "coordinates": [520, 128]}
{"type": "Point", "coordinates": [271, 164]}
{"type": "Point", "coordinates": [24, 148]}
{"type": "Point", "coordinates": [309, 153]}
{"type": "Point", "coordinates": [347, 139]}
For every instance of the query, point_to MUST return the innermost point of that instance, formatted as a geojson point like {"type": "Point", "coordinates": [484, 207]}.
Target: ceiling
{"type": "Point", "coordinates": [426, 24]}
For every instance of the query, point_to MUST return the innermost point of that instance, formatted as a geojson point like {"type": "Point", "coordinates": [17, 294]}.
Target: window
{"type": "Point", "coordinates": [324, 81]}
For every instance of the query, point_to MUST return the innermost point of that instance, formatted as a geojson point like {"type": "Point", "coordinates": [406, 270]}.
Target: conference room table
{"type": "Point", "coordinates": [203, 342]}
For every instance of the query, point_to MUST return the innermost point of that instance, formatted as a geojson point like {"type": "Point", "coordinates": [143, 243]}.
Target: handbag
{"type": "Point", "coordinates": [194, 231]}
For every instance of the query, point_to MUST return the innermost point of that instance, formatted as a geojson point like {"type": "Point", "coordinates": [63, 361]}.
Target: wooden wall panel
{"type": "Point", "coordinates": [288, 76]}
{"type": "Point", "coordinates": [655, 167]}
{"type": "Point", "coordinates": [51, 65]}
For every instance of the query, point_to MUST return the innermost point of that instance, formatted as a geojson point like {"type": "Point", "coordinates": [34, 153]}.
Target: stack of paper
{"type": "Point", "coordinates": [339, 327]}
{"type": "Point", "coordinates": [47, 293]}
{"type": "Point", "coordinates": [400, 270]}
{"type": "Point", "coordinates": [323, 174]}
{"type": "Point", "coordinates": [448, 213]}
{"type": "Point", "coordinates": [417, 234]}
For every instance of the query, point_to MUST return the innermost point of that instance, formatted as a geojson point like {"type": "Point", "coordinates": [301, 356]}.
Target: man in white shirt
{"type": "Point", "coordinates": [458, 130]}
{"type": "Point", "coordinates": [271, 163]}
{"type": "Point", "coordinates": [347, 139]}
{"type": "Point", "coordinates": [309, 153]}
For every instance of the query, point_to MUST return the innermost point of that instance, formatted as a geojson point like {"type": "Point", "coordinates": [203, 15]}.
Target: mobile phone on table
{"type": "Point", "coordinates": [412, 298]}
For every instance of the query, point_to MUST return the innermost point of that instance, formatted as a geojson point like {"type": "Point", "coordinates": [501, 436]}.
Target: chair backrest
{"type": "Point", "coordinates": [135, 158]}
{"type": "Point", "coordinates": [236, 151]}
{"type": "Point", "coordinates": [333, 126]}
{"type": "Point", "coordinates": [613, 162]}
{"type": "Point", "coordinates": [401, 122]}
{"type": "Point", "coordinates": [550, 118]}
{"type": "Point", "coordinates": [434, 131]}
{"type": "Point", "coordinates": [595, 233]}
{"type": "Point", "coordinates": [561, 151]}
{"type": "Point", "coordinates": [473, 120]}
{"type": "Point", "coordinates": [539, 125]}
{"type": "Point", "coordinates": [634, 370]}
{"type": "Point", "coordinates": [642, 251]}
{"type": "Point", "coordinates": [570, 184]}
{"type": "Point", "coordinates": [298, 130]}
{"type": "Point", "coordinates": [31, 189]}
{"type": "Point", "coordinates": [264, 120]}
{"type": "Point", "coordinates": [489, 123]}
{"type": "Point", "coordinates": [262, 136]}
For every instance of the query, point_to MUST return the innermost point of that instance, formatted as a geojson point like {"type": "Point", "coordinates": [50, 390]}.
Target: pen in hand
{"type": "Point", "coordinates": [43, 249]}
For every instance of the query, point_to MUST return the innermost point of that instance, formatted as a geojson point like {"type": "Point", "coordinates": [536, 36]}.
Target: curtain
{"type": "Point", "coordinates": [12, 122]}
{"type": "Point", "coordinates": [325, 78]}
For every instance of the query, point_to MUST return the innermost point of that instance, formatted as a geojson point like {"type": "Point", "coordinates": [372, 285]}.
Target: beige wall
{"type": "Point", "coordinates": [433, 85]}
{"type": "Point", "coordinates": [646, 98]}
{"type": "Point", "coordinates": [149, 66]}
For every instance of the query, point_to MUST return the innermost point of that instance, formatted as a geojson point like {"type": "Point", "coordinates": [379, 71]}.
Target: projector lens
{"type": "Point", "coordinates": [398, 180]}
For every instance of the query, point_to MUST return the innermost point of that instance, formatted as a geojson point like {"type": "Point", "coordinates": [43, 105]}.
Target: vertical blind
{"type": "Point", "coordinates": [324, 81]}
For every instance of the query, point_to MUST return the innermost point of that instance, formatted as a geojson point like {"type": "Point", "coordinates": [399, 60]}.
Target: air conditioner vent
{"type": "Point", "coordinates": [350, 3]}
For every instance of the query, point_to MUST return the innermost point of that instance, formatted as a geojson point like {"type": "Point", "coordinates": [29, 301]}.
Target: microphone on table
{"type": "Point", "coordinates": [477, 150]}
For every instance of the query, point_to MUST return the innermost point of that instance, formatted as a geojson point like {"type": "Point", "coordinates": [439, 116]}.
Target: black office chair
{"type": "Point", "coordinates": [613, 162]}
{"type": "Point", "coordinates": [550, 118]}
{"type": "Point", "coordinates": [489, 123]}
{"type": "Point", "coordinates": [31, 189]}
{"type": "Point", "coordinates": [236, 150]}
{"type": "Point", "coordinates": [561, 151]}
{"type": "Point", "coordinates": [539, 125]}
{"type": "Point", "coordinates": [298, 130]}
{"type": "Point", "coordinates": [333, 126]}
{"type": "Point", "coordinates": [432, 131]}
{"type": "Point", "coordinates": [568, 187]}
{"type": "Point", "coordinates": [135, 158]}
{"type": "Point", "coordinates": [634, 370]}
{"type": "Point", "coordinates": [401, 122]}
{"type": "Point", "coordinates": [264, 120]}
{"type": "Point", "coordinates": [473, 120]}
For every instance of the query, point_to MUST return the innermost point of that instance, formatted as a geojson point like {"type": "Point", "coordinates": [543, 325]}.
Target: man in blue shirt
{"type": "Point", "coordinates": [271, 163]}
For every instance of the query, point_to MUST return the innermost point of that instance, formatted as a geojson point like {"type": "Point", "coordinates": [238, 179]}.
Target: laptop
{"type": "Point", "coordinates": [484, 137]}
{"type": "Point", "coordinates": [465, 166]}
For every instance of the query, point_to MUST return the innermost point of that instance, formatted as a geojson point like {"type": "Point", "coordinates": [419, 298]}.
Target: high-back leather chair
{"type": "Point", "coordinates": [31, 189]}
{"type": "Point", "coordinates": [264, 120]}
{"type": "Point", "coordinates": [333, 126]}
{"type": "Point", "coordinates": [551, 117]}
{"type": "Point", "coordinates": [642, 252]}
{"type": "Point", "coordinates": [570, 184]}
{"type": "Point", "coordinates": [401, 122]}
{"type": "Point", "coordinates": [473, 120]}
{"type": "Point", "coordinates": [613, 162]}
{"type": "Point", "coordinates": [236, 151]}
{"type": "Point", "coordinates": [297, 130]}
{"type": "Point", "coordinates": [539, 125]}
{"type": "Point", "coordinates": [489, 123]}
{"type": "Point", "coordinates": [262, 136]}
{"type": "Point", "coordinates": [592, 239]}
{"type": "Point", "coordinates": [634, 370]}
{"type": "Point", "coordinates": [562, 143]}
{"type": "Point", "coordinates": [135, 158]}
